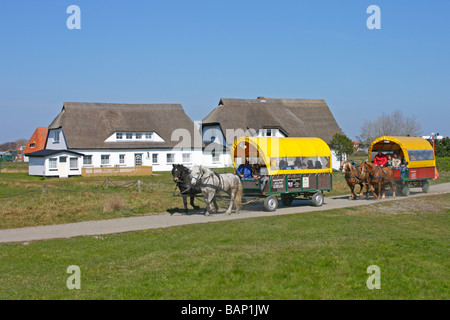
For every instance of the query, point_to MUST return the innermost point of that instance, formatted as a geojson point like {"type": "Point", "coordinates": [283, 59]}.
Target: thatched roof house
{"type": "Point", "coordinates": [292, 117]}
{"type": "Point", "coordinates": [88, 125]}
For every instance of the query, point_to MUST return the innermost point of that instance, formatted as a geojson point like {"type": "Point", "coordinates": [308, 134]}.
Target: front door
{"type": "Point", "coordinates": [63, 167]}
{"type": "Point", "coordinates": [137, 159]}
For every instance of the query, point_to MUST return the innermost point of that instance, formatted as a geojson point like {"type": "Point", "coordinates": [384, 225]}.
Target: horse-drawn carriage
{"type": "Point", "coordinates": [289, 168]}
{"type": "Point", "coordinates": [418, 156]}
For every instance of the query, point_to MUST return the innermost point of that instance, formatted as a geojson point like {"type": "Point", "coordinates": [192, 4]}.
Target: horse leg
{"type": "Point", "coordinates": [185, 205]}
{"type": "Point", "coordinates": [216, 207]}
{"type": "Point", "coordinates": [352, 192]}
{"type": "Point", "coordinates": [207, 203]}
{"type": "Point", "coordinates": [192, 204]}
{"type": "Point", "coordinates": [232, 196]}
{"type": "Point", "coordinates": [361, 192]}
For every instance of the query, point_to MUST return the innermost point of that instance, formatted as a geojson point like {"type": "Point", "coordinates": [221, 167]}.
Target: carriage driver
{"type": "Point", "coordinates": [380, 159]}
{"type": "Point", "coordinates": [244, 170]}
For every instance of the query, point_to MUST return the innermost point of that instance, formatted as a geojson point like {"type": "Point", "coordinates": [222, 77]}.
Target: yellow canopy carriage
{"type": "Point", "coordinates": [419, 155]}
{"type": "Point", "coordinates": [293, 167]}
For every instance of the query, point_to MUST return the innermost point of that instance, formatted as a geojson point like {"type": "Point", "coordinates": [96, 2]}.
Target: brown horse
{"type": "Point", "coordinates": [379, 177]}
{"type": "Point", "coordinates": [354, 175]}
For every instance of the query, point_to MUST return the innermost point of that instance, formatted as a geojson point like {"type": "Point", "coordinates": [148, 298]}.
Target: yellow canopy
{"type": "Point", "coordinates": [269, 149]}
{"type": "Point", "coordinates": [418, 152]}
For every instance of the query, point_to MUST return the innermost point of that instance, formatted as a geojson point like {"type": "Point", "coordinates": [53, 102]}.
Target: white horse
{"type": "Point", "coordinates": [210, 182]}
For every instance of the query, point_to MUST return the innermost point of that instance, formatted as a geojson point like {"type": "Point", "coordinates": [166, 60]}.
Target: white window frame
{"type": "Point", "coordinates": [129, 135]}
{"type": "Point", "coordinates": [53, 164]}
{"type": "Point", "coordinates": [122, 158]}
{"type": "Point", "coordinates": [85, 158]}
{"type": "Point", "coordinates": [167, 158]}
{"type": "Point", "coordinates": [104, 158]}
{"type": "Point", "coordinates": [56, 137]}
{"type": "Point", "coordinates": [189, 155]}
{"type": "Point", "coordinates": [155, 155]}
{"type": "Point", "coordinates": [71, 163]}
{"type": "Point", "coordinates": [119, 135]}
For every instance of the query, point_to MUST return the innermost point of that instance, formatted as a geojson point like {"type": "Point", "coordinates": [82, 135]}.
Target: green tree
{"type": "Point", "coordinates": [442, 147]}
{"type": "Point", "coordinates": [342, 145]}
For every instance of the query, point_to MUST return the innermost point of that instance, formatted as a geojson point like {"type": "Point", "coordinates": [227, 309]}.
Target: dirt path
{"type": "Point", "coordinates": [164, 220]}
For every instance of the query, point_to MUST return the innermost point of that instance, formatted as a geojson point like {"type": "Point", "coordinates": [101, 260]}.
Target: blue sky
{"type": "Point", "coordinates": [195, 52]}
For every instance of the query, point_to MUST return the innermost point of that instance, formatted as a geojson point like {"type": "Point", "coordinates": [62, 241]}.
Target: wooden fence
{"type": "Point", "coordinates": [116, 171]}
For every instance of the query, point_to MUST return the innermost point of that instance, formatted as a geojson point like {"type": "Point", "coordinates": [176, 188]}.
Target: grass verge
{"type": "Point", "coordinates": [320, 255]}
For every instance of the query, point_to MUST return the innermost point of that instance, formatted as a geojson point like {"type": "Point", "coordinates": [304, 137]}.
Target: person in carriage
{"type": "Point", "coordinates": [380, 159]}
{"type": "Point", "coordinates": [244, 170]}
{"type": "Point", "coordinates": [399, 163]}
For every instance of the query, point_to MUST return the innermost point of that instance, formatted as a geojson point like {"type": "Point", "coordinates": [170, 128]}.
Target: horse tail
{"type": "Point", "coordinates": [238, 197]}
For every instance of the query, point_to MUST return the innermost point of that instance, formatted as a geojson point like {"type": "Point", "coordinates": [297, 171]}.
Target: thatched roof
{"type": "Point", "coordinates": [294, 117]}
{"type": "Point", "coordinates": [88, 125]}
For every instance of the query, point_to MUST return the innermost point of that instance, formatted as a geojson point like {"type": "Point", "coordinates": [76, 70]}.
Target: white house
{"type": "Point", "coordinates": [55, 163]}
{"type": "Point", "coordinates": [116, 135]}
{"type": "Point", "coordinates": [262, 117]}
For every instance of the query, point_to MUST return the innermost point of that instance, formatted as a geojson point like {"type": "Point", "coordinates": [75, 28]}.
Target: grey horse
{"type": "Point", "coordinates": [210, 182]}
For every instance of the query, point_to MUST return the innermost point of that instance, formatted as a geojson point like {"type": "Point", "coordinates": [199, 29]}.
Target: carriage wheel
{"type": "Point", "coordinates": [287, 199]}
{"type": "Point", "coordinates": [271, 203]}
{"type": "Point", "coordinates": [405, 190]}
{"type": "Point", "coordinates": [426, 186]}
{"type": "Point", "coordinates": [317, 199]}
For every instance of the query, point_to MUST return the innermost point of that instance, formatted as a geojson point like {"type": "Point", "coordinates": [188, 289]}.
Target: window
{"type": "Point", "coordinates": [105, 159]}
{"type": "Point", "coordinates": [121, 158]}
{"type": "Point", "coordinates": [155, 158]}
{"type": "Point", "coordinates": [56, 137]}
{"type": "Point", "coordinates": [215, 156]}
{"type": "Point", "coordinates": [119, 135]}
{"type": "Point", "coordinates": [73, 163]}
{"type": "Point", "coordinates": [87, 160]}
{"type": "Point", "coordinates": [138, 135]}
{"type": "Point", "coordinates": [148, 135]}
{"type": "Point", "coordinates": [186, 158]}
{"type": "Point", "coordinates": [52, 163]}
{"type": "Point", "coordinates": [32, 145]}
{"type": "Point", "coordinates": [170, 158]}
{"type": "Point", "coordinates": [62, 159]}
{"type": "Point", "coordinates": [129, 135]}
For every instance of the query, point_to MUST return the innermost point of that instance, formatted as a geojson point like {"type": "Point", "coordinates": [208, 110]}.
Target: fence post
{"type": "Point", "coordinates": [107, 183]}
{"type": "Point", "coordinates": [44, 190]}
{"type": "Point", "coordinates": [139, 186]}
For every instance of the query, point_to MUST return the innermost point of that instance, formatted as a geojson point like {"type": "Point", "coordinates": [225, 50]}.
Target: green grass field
{"type": "Point", "coordinates": [320, 255]}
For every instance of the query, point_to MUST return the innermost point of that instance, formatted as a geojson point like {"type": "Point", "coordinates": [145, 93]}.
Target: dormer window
{"type": "Point", "coordinates": [134, 137]}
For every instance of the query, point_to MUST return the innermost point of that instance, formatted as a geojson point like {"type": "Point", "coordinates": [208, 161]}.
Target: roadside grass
{"type": "Point", "coordinates": [319, 255]}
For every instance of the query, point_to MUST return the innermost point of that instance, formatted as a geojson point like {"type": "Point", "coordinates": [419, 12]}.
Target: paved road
{"type": "Point", "coordinates": [164, 220]}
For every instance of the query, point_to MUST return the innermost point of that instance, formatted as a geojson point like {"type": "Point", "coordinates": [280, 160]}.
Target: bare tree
{"type": "Point", "coordinates": [394, 124]}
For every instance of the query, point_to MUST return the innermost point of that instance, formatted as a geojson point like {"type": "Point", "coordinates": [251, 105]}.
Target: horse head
{"type": "Point", "coordinates": [179, 172]}
{"type": "Point", "coordinates": [346, 167]}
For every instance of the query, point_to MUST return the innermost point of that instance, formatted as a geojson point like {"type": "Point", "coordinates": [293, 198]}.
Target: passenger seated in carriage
{"type": "Point", "coordinates": [297, 163]}
{"type": "Point", "coordinates": [380, 159]}
{"type": "Point", "coordinates": [399, 163]}
{"type": "Point", "coordinates": [389, 161]}
{"type": "Point", "coordinates": [244, 170]}
{"type": "Point", "coordinates": [310, 164]}
{"type": "Point", "coordinates": [318, 165]}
